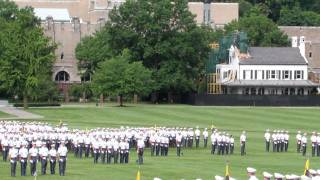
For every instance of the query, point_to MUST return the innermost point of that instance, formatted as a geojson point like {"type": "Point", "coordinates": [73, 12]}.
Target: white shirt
{"type": "Point", "coordinates": [243, 138]}
{"type": "Point", "coordinates": [23, 152]}
{"type": "Point", "coordinates": [33, 151]}
{"type": "Point", "coordinates": [205, 134]}
{"type": "Point", "coordinates": [197, 132]}
{"type": "Point", "coordinates": [140, 143]}
{"type": "Point", "coordinates": [43, 152]}
{"type": "Point", "coordinates": [53, 152]}
{"type": "Point", "coordinates": [13, 152]}
{"type": "Point", "coordinates": [267, 136]}
{"type": "Point", "coordinates": [62, 151]}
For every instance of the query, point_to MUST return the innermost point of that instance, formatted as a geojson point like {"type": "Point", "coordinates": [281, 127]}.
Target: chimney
{"type": "Point", "coordinates": [294, 41]}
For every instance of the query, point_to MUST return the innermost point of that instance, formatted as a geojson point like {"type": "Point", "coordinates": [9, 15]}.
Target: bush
{"type": "Point", "coordinates": [37, 104]}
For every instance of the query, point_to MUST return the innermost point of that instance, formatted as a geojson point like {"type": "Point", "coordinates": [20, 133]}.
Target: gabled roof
{"type": "Point", "coordinates": [274, 56]}
{"type": "Point", "coordinates": [55, 13]}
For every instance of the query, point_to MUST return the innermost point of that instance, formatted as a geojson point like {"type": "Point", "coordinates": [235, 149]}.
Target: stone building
{"type": "Point", "coordinates": [312, 46]}
{"type": "Point", "coordinates": [67, 21]}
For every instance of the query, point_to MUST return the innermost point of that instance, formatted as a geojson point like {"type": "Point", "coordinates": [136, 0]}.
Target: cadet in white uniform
{"type": "Point", "coordinates": [286, 141]}
{"type": "Point", "coordinates": [5, 147]}
{"type": "Point", "coordinates": [13, 156]}
{"type": "Point", "coordinates": [304, 141]}
{"type": "Point", "coordinates": [33, 157]}
{"type": "Point", "coordinates": [43, 153]}
{"type": "Point", "coordinates": [23, 154]}
{"type": "Point", "coordinates": [205, 135]}
{"type": "Point", "coordinates": [140, 149]}
{"type": "Point", "coordinates": [313, 140]}
{"type": "Point", "coordinates": [251, 173]}
{"type": "Point", "coordinates": [197, 134]}
{"type": "Point", "coordinates": [179, 143]}
{"type": "Point", "coordinates": [267, 140]}
{"type": "Point", "coordinates": [62, 153]}
{"type": "Point", "coordinates": [298, 138]}
{"type": "Point", "coordinates": [243, 139]}
{"type": "Point", "coordinates": [53, 159]}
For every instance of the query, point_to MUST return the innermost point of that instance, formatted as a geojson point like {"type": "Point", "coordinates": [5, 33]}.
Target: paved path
{"type": "Point", "coordinates": [19, 113]}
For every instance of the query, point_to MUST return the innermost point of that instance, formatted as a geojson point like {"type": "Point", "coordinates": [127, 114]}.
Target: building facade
{"type": "Point", "coordinates": [312, 46]}
{"type": "Point", "coordinates": [266, 71]}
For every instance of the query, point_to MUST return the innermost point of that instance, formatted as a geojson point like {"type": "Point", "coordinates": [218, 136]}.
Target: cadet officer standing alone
{"type": "Point", "coordinates": [243, 139]}
{"type": "Point", "coordinates": [267, 139]}
{"type": "Point", "coordinates": [140, 148]}
{"type": "Point", "coordinates": [62, 152]}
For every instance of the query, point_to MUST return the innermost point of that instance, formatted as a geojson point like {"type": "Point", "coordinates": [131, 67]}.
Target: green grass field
{"type": "Point", "coordinates": [195, 163]}
{"type": "Point", "coordinates": [4, 115]}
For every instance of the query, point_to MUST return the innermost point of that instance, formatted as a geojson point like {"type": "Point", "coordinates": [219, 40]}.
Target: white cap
{"type": "Point", "coordinates": [318, 171]}
{"type": "Point", "coordinates": [218, 178]}
{"type": "Point", "coordinates": [267, 175]}
{"type": "Point", "coordinates": [156, 178]}
{"type": "Point", "coordinates": [288, 177]}
{"type": "Point", "coordinates": [278, 176]}
{"type": "Point", "coordinates": [293, 176]}
{"type": "Point", "coordinates": [231, 178]}
{"type": "Point", "coordinates": [316, 178]}
{"type": "Point", "coordinates": [312, 171]}
{"type": "Point", "coordinates": [251, 170]}
{"type": "Point", "coordinates": [303, 177]}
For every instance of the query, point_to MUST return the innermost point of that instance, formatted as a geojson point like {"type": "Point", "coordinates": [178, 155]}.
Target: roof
{"type": "Point", "coordinates": [272, 83]}
{"type": "Point", "coordinates": [274, 56]}
{"type": "Point", "coordinates": [56, 14]}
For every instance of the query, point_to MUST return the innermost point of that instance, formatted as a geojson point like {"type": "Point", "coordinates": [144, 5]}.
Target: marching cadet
{"type": "Point", "coordinates": [227, 143]}
{"type": "Point", "coordinates": [62, 156]}
{"type": "Point", "coordinates": [214, 144]}
{"type": "Point", "coordinates": [298, 138]}
{"type": "Point", "coordinates": [178, 143]}
{"type": "Point", "coordinates": [231, 144]}
{"type": "Point", "coordinates": [267, 176]}
{"type": "Point", "coordinates": [140, 148]}
{"type": "Point", "coordinates": [158, 142]}
{"type": "Point", "coordinates": [267, 140]}
{"type": "Point", "coordinates": [43, 153]}
{"type": "Point", "coordinates": [281, 135]}
{"type": "Point", "coordinates": [80, 145]}
{"type": "Point", "coordinates": [219, 141]}
{"type": "Point", "coordinates": [103, 149]}
{"type": "Point", "coordinates": [96, 150]}
{"type": "Point", "coordinates": [5, 147]}
{"type": "Point", "coordinates": [33, 158]}
{"type": "Point", "coordinates": [190, 137]}
{"type": "Point", "coordinates": [184, 137]}
{"type": "Point", "coordinates": [115, 146]}
{"type": "Point", "coordinates": [251, 172]}
{"type": "Point", "coordinates": [286, 141]}
{"type": "Point", "coordinates": [304, 141]}
{"type": "Point", "coordinates": [166, 145]}
{"type": "Point", "coordinates": [205, 135]}
{"type": "Point", "coordinates": [87, 142]}
{"type": "Point", "coordinates": [126, 155]}
{"type": "Point", "coordinates": [197, 134]}
{"type": "Point", "coordinates": [23, 154]}
{"type": "Point", "coordinates": [318, 144]}
{"type": "Point", "coordinates": [110, 150]}
{"type": "Point", "coordinates": [53, 159]}
{"type": "Point", "coordinates": [152, 141]}
{"type": "Point", "coordinates": [162, 145]}
{"type": "Point", "coordinates": [243, 139]}
{"type": "Point", "coordinates": [274, 141]}
{"type": "Point", "coordinates": [13, 156]}
{"type": "Point", "coordinates": [122, 146]}
{"type": "Point", "coordinates": [313, 140]}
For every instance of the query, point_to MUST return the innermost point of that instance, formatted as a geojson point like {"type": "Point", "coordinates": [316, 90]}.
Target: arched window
{"type": "Point", "coordinates": [62, 76]}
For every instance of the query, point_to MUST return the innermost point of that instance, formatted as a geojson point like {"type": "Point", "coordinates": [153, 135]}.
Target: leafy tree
{"type": "Point", "coordinates": [298, 17]}
{"type": "Point", "coordinates": [165, 37]}
{"type": "Point", "coordinates": [261, 31]}
{"type": "Point", "coordinates": [24, 51]}
{"type": "Point", "coordinates": [118, 77]}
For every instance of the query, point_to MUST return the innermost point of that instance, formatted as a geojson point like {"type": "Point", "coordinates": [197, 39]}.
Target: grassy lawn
{"type": "Point", "coordinates": [4, 115]}
{"type": "Point", "coordinates": [195, 162]}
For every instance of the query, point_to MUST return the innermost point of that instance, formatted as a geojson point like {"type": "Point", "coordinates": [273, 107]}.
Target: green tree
{"type": "Point", "coordinates": [25, 52]}
{"type": "Point", "coordinates": [165, 37]}
{"type": "Point", "coordinates": [118, 77]}
{"type": "Point", "coordinates": [298, 17]}
{"type": "Point", "coordinates": [261, 31]}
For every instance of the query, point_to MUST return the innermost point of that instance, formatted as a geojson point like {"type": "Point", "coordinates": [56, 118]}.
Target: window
{"type": "Point", "coordinates": [268, 74]}
{"type": "Point", "coordinates": [225, 75]}
{"type": "Point", "coordinates": [297, 74]}
{"type": "Point", "coordinates": [253, 91]}
{"type": "Point", "coordinates": [272, 91]}
{"type": "Point", "coordinates": [273, 74]}
{"type": "Point", "coordinates": [310, 54]}
{"type": "Point", "coordinates": [255, 74]}
{"type": "Point", "coordinates": [300, 91]}
{"type": "Point", "coordinates": [244, 74]}
{"type": "Point", "coordinates": [292, 91]}
{"type": "Point", "coordinates": [285, 74]}
{"type": "Point", "coordinates": [62, 76]}
{"type": "Point", "coordinates": [261, 91]}
{"type": "Point", "coordinates": [285, 91]}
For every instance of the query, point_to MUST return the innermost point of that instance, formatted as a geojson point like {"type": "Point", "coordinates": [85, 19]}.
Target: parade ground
{"type": "Point", "coordinates": [194, 163]}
